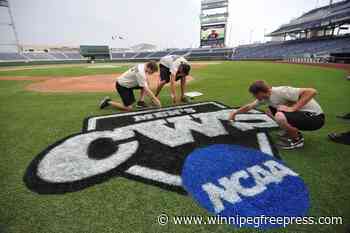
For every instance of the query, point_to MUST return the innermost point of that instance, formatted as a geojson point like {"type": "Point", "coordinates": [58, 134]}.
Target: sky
{"type": "Point", "coordinates": [165, 23]}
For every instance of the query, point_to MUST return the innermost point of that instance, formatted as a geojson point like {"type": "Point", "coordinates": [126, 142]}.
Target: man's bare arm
{"type": "Point", "coordinates": [244, 109]}
{"type": "Point", "coordinates": [154, 99]}
{"type": "Point", "coordinates": [306, 94]}
{"type": "Point", "coordinates": [173, 88]}
{"type": "Point", "coordinates": [183, 86]}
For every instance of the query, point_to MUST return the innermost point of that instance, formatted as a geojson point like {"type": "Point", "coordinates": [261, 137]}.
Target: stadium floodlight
{"type": "Point", "coordinates": [11, 24]}
{"type": "Point", "coordinates": [117, 37]}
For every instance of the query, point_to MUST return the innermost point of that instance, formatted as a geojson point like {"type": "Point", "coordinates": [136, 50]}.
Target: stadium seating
{"type": "Point", "coordinates": [219, 53]}
{"type": "Point", "coordinates": [191, 53]}
{"type": "Point", "coordinates": [201, 51]}
{"type": "Point", "coordinates": [159, 55]}
{"type": "Point", "coordinates": [269, 50]}
{"type": "Point", "coordinates": [147, 55]}
{"type": "Point", "coordinates": [73, 56]}
{"type": "Point", "coordinates": [222, 55]}
{"type": "Point", "coordinates": [11, 57]}
{"type": "Point", "coordinates": [129, 55]}
{"type": "Point", "coordinates": [324, 16]}
{"type": "Point", "coordinates": [143, 55]}
{"type": "Point", "coordinates": [180, 52]}
{"type": "Point", "coordinates": [59, 56]}
{"type": "Point", "coordinates": [56, 55]}
{"type": "Point", "coordinates": [282, 50]}
{"type": "Point", "coordinates": [121, 56]}
{"type": "Point", "coordinates": [117, 55]}
{"type": "Point", "coordinates": [38, 56]}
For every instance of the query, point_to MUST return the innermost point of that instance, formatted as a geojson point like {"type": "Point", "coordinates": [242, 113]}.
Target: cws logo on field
{"type": "Point", "coordinates": [187, 149]}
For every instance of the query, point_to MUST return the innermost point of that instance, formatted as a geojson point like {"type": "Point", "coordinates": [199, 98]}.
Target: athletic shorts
{"type": "Point", "coordinates": [165, 74]}
{"type": "Point", "coordinates": [126, 94]}
{"type": "Point", "coordinates": [304, 121]}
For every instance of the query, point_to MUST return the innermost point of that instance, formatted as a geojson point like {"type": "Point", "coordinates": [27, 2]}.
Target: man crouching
{"type": "Point", "coordinates": [294, 109]}
{"type": "Point", "coordinates": [134, 78]}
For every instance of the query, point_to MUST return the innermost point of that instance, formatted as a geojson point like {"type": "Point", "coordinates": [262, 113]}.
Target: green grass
{"type": "Point", "coordinates": [30, 121]}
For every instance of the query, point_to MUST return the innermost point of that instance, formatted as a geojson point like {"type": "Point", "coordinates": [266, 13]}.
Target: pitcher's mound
{"type": "Point", "coordinates": [96, 83]}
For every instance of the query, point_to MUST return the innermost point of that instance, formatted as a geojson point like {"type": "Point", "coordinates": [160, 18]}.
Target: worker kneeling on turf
{"type": "Point", "coordinates": [294, 109]}
{"type": "Point", "coordinates": [134, 78]}
{"type": "Point", "coordinates": [172, 69]}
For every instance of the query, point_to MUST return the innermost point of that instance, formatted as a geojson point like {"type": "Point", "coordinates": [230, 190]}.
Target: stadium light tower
{"type": "Point", "coordinates": [11, 24]}
{"type": "Point", "coordinates": [251, 36]}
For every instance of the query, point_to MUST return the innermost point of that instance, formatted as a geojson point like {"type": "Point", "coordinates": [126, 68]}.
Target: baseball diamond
{"type": "Point", "coordinates": [174, 116]}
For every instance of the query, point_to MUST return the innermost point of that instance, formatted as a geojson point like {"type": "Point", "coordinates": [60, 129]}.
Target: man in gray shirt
{"type": "Point", "coordinates": [172, 69]}
{"type": "Point", "coordinates": [294, 109]}
{"type": "Point", "coordinates": [134, 78]}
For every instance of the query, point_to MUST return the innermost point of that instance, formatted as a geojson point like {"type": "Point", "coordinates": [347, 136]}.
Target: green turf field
{"type": "Point", "coordinates": [30, 121]}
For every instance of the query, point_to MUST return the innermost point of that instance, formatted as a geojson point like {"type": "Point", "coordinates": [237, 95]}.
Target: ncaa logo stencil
{"type": "Point", "coordinates": [231, 180]}
{"type": "Point", "coordinates": [149, 146]}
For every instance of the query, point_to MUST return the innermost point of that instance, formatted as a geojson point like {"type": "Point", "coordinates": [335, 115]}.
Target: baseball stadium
{"type": "Point", "coordinates": [175, 116]}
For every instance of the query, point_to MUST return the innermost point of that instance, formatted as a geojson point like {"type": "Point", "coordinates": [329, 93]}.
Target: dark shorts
{"type": "Point", "coordinates": [165, 74]}
{"type": "Point", "coordinates": [304, 121]}
{"type": "Point", "coordinates": [126, 94]}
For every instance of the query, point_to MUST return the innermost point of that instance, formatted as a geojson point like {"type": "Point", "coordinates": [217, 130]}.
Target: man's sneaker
{"type": "Point", "coordinates": [343, 138]}
{"type": "Point", "coordinates": [290, 144]}
{"type": "Point", "coordinates": [141, 104]}
{"type": "Point", "coordinates": [346, 116]}
{"type": "Point", "coordinates": [286, 136]}
{"type": "Point", "coordinates": [105, 103]}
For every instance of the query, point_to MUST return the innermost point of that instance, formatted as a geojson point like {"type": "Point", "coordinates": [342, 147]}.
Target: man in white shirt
{"type": "Point", "coordinates": [294, 109]}
{"type": "Point", "coordinates": [134, 78]}
{"type": "Point", "coordinates": [172, 69]}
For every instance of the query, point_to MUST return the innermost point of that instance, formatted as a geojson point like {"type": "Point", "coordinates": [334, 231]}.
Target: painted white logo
{"type": "Point", "coordinates": [232, 191]}
{"type": "Point", "coordinates": [172, 127]}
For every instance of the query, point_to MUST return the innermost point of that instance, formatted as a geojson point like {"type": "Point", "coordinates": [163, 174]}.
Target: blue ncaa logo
{"type": "Point", "coordinates": [230, 181]}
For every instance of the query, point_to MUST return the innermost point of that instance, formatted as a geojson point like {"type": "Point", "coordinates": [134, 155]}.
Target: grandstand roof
{"type": "Point", "coordinates": [334, 14]}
